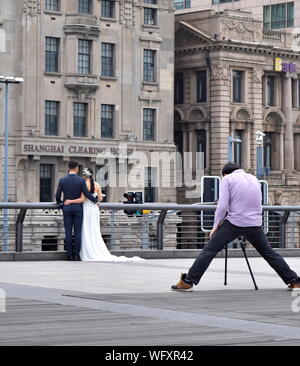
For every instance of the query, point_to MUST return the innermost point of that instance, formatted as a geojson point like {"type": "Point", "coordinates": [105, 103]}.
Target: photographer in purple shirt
{"type": "Point", "coordinates": [239, 213]}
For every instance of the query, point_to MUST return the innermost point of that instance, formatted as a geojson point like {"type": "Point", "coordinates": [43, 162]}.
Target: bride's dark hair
{"type": "Point", "coordinates": [90, 175]}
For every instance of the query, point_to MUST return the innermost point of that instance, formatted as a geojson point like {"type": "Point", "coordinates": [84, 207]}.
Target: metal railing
{"type": "Point", "coordinates": [39, 226]}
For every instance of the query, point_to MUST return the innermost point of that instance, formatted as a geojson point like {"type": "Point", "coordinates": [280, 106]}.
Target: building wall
{"type": "Point", "coordinates": [26, 24]}
{"type": "Point", "coordinates": [219, 44]}
{"type": "Point", "coordinates": [254, 6]}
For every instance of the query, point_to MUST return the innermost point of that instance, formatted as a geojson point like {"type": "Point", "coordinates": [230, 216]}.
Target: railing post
{"type": "Point", "coordinates": [283, 222]}
{"type": "Point", "coordinates": [19, 230]}
{"type": "Point", "coordinates": [160, 229]}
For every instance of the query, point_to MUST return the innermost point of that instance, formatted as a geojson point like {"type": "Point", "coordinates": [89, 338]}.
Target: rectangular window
{"type": "Point", "coordinates": [179, 88]}
{"type": "Point", "coordinates": [107, 120]}
{"type": "Point", "coordinates": [80, 119]}
{"type": "Point", "coordinates": [182, 4]}
{"type": "Point", "coordinates": [52, 51]}
{"type": "Point", "coordinates": [52, 5]}
{"type": "Point", "coordinates": [150, 16]}
{"type": "Point", "coordinates": [201, 87]}
{"type": "Point", "coordinates": [107, 59]}
{"type": "Point", "coordinates": [268, 150]}
{"type": "Point", "coordinates": [107, 8]}
{"type": "Point", "coordinates": [154, 2]}
{"type": "Point", "coordinates": [279, 16]}
{"type": "Point", "coordinates": [46, 182]}
{"type": "Point", "coordinates": [84, 56]}
{"type": "Point", "coordinates": [237, 81]}
{"type": "Point", "coordinates": [51, 118]}
{"type": "Point", "coordinates": [150, 184]}
{"type": "Point", "coordinates": [149, 65]}
{"type": "Point", "coordinates": [238, 147]}
{"type": "Point", "coordinates": [85, 6]}
{"type": "Point", "coordinates": [148, 123]}
{"type": "Point", "coordinates": [270, 90]}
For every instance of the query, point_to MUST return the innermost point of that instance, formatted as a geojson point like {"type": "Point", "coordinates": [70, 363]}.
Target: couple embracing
{"type": "Point", "coordinates": [81, 213]}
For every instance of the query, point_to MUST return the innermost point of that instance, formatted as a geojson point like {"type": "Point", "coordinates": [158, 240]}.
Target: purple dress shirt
{"type": "Point", "coordinates": [240, 200]}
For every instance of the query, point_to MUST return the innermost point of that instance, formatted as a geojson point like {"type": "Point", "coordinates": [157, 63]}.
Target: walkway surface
{"type": "Point", "coordinates": [129, 304]}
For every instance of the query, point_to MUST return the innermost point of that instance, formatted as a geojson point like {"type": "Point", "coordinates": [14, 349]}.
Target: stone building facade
{"type": "Point", "coordinates": [98, 78]}
{"type": "Point", "coordinates": [233, 78]}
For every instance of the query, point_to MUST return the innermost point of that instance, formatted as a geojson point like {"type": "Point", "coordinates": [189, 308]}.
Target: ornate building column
{"type": "Point", "coordinates": [288, 137]}
{"type": "Point", "coordinates": [220, 113]}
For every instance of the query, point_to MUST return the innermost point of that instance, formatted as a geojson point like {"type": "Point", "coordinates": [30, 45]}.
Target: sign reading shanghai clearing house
{"type": "Point", "coordinates": [284, 66]}
{"type": "Point", "coordinates": [122, 150]}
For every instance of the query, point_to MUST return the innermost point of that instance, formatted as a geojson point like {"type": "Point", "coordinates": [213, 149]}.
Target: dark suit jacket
{"type": "Point", "coordinates": [72, 186]}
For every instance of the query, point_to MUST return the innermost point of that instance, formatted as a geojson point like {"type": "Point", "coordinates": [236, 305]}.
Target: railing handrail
{"type": "Point", "coordinates": [144, 206]}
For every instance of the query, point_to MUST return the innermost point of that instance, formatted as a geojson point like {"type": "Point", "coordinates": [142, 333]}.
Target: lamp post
{"type": "Point", "coordinates": [260, 170]}
{"type": "Point", "coordinates": [6, 80]}
{"type": "Point", "coordinates": [231, 142]}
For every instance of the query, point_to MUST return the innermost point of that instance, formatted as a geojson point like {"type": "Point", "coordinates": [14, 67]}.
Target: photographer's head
{"type": "Point", "coordinates": [73, 166]}
{"type": "Point", "coordinates": [229, 168]}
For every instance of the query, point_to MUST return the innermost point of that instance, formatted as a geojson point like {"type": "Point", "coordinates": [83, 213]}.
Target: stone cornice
{"type": "Point", "coordinates": [241, 47]}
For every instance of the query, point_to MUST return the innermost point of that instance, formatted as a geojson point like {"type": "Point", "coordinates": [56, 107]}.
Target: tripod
{"type": "Point", "coordinates": [241, 242]}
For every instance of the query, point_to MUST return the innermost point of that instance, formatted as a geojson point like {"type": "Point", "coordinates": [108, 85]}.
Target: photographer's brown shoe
{"type": "Point", "coordinates": [294, 286]}
{"type": "Point", "coordinates": [182, 285]}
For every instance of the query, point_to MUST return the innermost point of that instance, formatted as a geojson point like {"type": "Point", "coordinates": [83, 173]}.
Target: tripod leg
{"type": "Point", "coordinates": [248, 264]}
{"type": "Point", "coordinates": [226, 257]}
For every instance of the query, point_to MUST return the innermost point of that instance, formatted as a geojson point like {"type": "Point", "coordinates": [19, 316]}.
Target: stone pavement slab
{"type": "Point", "coordinates": [80, 303]}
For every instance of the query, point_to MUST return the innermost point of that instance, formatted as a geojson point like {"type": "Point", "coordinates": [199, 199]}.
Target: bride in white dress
{"type": "Point", "coordinates": [93, 247]}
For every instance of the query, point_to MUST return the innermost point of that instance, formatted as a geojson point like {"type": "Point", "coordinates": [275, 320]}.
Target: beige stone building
{"type": "Point", "coordinates": [98, 78]}
{"type": "Point", "coordinates": [235, 75]}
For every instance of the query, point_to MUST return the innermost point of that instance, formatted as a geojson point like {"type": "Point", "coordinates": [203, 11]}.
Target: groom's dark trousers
{"type": "Point", "coordinates": [226, 233]}
{"type": "Point", "coordinates": [72, 186]}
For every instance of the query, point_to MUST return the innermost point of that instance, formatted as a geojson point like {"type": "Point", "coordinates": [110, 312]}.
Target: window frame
{"type": "Point", "coordinates": [49, 5]}
{"type": "Point", "coordinates": [51, 185]}
{"type": "Point", "coordinates": [152, 135]}
{"type": "Point", "coordinates": [110, 7]}
{"type": "Point", "coordinates": [81, 57]}
{"type": "Point", "coordinates": [84, 118]}
{"type": "Point", "coordinates": [179, 88]}
{"type": "Point", "coordinates": [105, 119]}
{"type": "Point", "coordinates": [242, 86]}
{"type": "Point", "coordinates": [82, 6]}
{"type": "Point", "coordinates": [52, 54]}
{"type": "Point", "coordinates": [150, 19]}
{"type": "Point", "coordinates": [107, 71]}
{"type": "Point", "coordinates": [269, 14]}
{"type": "Point", "coordinates": [49, 107]}
{"type": "Point", "coordinates": [205, 98]}
{"type": "Point", "coordinates": [149, 74]}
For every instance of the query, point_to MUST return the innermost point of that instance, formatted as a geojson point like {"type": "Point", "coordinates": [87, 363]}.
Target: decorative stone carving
{"type": "Point", "coordinates": [273, 117]}
{"type": "Point", "coordinates": [257, 74]}
{"type": "Point", "coordinates": [32, 7]}
{"type": "Point", "coordinates": [128, 12]}
{"type": "Point", "coordinates": [244, 30]}
{"type": "Point", "coordinates": [220, 71]}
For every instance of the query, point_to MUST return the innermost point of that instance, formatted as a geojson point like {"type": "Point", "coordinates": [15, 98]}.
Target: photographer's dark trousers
{"type": "Point", "coordinates": [227, 233]}
{"type": "Point", "coordinates": [73, 219]}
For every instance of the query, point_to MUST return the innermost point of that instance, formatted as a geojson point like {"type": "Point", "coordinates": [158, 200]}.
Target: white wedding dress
{"type": "Point", "coordinates": [93, 247]}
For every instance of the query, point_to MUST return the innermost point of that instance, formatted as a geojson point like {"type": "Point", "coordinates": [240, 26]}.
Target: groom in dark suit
{"type": "Point", "coordinates": [72, 186]}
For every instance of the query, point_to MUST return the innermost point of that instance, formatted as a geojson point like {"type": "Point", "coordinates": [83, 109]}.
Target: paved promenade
{"type": "Point", "coordinates": [81, 303]}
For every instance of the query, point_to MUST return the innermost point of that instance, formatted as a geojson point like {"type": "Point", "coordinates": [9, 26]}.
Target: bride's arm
{"type": "Point", "coordinates": [78, 200]}
{"type": "Point", "coordinates": [99, 191]}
